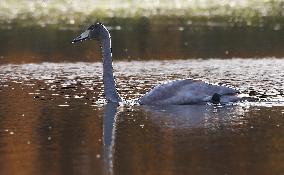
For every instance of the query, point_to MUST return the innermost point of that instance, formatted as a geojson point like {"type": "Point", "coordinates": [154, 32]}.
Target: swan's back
{"type": "Point", "coordinates": [184, 92]}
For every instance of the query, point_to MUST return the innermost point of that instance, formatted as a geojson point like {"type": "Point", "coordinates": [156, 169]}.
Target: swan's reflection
{"type": "Point", "coordinates": [184, 121]}
{"type": "Point", "coordinates": [193, 116]}
{"type": "Point", "coordinates": [110, 111]}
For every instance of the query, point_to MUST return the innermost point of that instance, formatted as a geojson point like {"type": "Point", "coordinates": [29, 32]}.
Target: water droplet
{"type": "Point", "coordinates": [277, 27]}
{"type": "Point", "coordinates": [72, 21]}
{"type": "Point", "coordinates": [77, 96]}
{"type": "Point", "coordinates": [181, 28]}
{"type": "Point", "coordinates": [63, 105]}
{"type": "Point", "coordinates": [117, 28]}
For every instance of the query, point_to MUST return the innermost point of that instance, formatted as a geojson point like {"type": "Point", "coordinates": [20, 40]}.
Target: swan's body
{"type": "Point", "coordinates": [181, 92]}
{"type": "Point", "coordinates": [177, 92]}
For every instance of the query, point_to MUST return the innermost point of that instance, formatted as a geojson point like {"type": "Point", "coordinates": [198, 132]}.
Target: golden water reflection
{"type": "Point", "coordinates": [53, 120]}
{"type": "Point", "coordinates": [39, 137]}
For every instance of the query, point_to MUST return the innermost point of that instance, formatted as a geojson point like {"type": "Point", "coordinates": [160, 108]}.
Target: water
{"type": "Point", "coordinates": [141, 39]}
{"type": "Point", "coordinates": [54, 120]}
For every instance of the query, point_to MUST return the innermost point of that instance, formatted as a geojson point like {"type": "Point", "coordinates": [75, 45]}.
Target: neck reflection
{"type": "Point", "coordinates": [109, 128]}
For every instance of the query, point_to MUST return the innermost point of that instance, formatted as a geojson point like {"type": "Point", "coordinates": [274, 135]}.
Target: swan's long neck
{"type": "Point", "coordinates": [109, 83]}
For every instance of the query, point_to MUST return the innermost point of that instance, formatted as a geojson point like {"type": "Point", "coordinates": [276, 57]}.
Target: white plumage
{"type": "Point", "coordinates": [181, 92]}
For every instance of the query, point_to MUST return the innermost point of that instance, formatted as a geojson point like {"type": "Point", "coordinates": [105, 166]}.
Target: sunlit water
{"type": "Point", "coordinates": [54, 120]}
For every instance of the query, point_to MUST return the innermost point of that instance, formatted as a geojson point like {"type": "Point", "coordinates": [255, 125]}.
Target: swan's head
{"type": "Point", "coordinates": [96, 31]}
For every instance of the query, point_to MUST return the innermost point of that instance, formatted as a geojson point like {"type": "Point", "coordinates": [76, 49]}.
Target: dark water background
{"type": "Point", "coordinates": [54, 119]}
{"type": "Point", "coordinates": [142, 39]}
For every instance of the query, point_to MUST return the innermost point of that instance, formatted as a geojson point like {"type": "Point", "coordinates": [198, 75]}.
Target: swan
{"type": "Point", "coordinates": [177, 92]}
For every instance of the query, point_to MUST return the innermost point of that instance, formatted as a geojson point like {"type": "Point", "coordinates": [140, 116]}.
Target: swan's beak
{"type": "Point", "coordinates": [84, 36]}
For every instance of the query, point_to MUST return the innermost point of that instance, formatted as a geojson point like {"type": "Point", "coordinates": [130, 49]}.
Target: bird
{"type": "Point", "coordinates": [176, 92]}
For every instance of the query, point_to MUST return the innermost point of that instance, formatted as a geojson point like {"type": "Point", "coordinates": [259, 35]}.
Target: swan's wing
{"type": "Point", "coordinates": [184, 92]}
{"type": "Point", "coordinates": [164, 91]}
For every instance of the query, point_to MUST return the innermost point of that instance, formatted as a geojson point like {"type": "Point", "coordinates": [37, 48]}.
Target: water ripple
{"type": "Point", "coordinates": [262, 78]}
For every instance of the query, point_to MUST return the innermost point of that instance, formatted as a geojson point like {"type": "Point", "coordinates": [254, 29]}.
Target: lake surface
{"type": "Point", "coordinates": [54, 120]}
{"type": "Point", "coordinates": [142, 39]}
